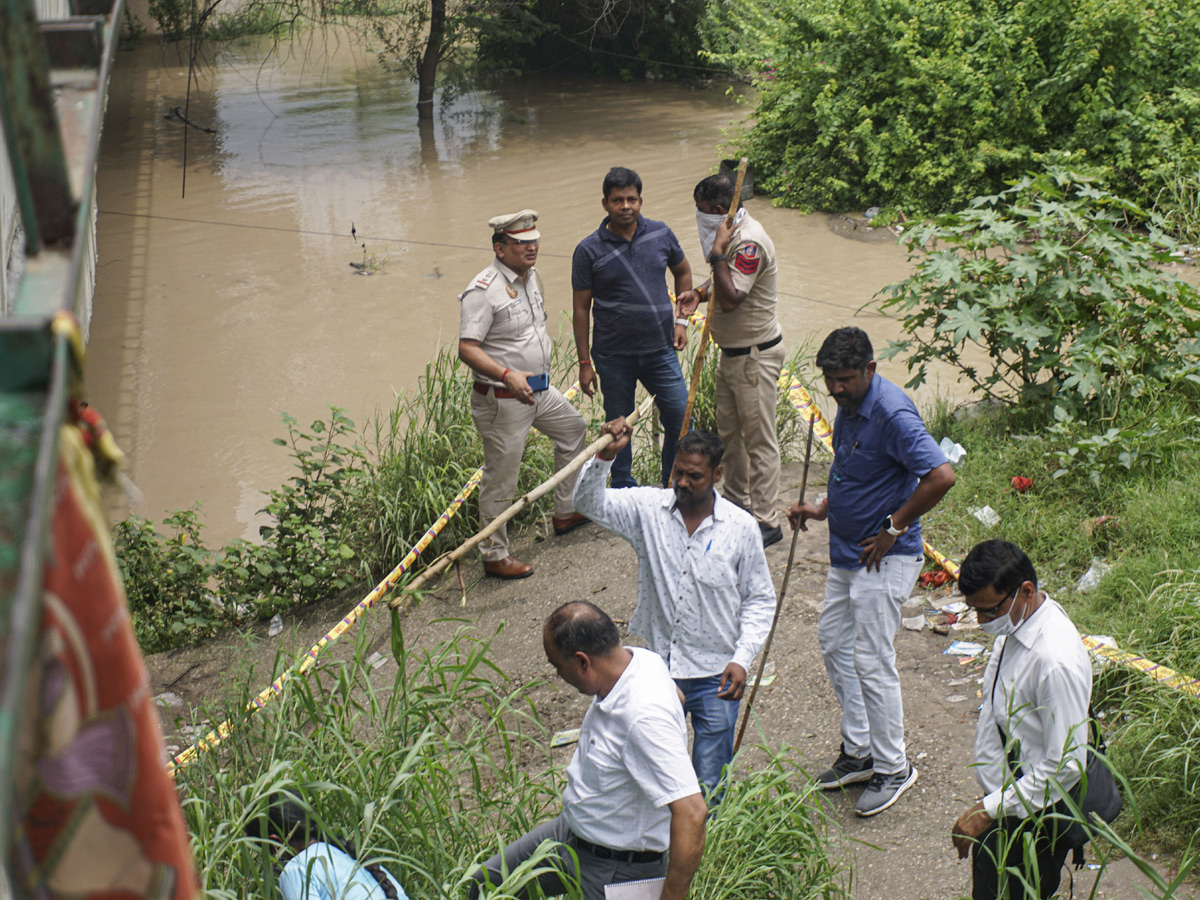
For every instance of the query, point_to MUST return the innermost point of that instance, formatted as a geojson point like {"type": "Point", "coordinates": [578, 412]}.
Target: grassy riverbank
{"type": "Point", "coordinates": [1141, 517]}
{"type": "Point", "coordinates": [358, 501]}
{"type": "Point", "coordinates": [428, 774]}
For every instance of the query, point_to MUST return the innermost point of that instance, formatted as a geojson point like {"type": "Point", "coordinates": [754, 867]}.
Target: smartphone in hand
{"type": "Point", "coordinates": [538, 382]}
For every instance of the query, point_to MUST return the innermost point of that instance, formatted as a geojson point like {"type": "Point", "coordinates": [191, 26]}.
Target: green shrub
{"type": "Point", "coordinates": [1046, 291]}
{"type": "Point", "coordinates": [168, 581]}
{"type": "Point", "coordinates": [923, 104]}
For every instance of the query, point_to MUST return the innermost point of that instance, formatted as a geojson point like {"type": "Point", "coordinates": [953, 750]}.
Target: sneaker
{"type": "Point", "coordinates": [884, 790]}
{"type": "Point", "coordinates": [771, 534]}
{"type": "Point", "coordinates": [847, 770]}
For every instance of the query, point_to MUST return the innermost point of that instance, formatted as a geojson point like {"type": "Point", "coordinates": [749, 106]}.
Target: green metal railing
{"type": "Point", "coordinates": [53, 79]}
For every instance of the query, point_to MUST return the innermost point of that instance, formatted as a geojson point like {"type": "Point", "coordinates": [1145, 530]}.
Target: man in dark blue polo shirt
{"type": "Point", "coordinates": [618, 273]}
{"type": "Point", "coordinates": [887, 472]}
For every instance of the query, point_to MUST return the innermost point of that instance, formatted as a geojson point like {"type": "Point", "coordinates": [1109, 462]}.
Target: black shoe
{"type": "Point", "coordinates": [771, 534]}
{"type": "Point", "coordinates": [846, 770]}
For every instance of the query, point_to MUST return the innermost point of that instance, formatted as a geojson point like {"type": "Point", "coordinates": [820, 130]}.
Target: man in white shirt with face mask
{"type": "Point", "coordinates": [744, 326]}
{"type": "Point", "coordinates": [1031, 740]}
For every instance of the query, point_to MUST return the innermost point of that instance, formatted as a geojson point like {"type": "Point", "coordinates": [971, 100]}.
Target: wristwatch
{"type": "Point", "coordinates": [891, 529]}
{"type": "Point", "coordinates": [715, 257]}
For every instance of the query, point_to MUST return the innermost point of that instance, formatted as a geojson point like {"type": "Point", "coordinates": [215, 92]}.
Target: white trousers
{"type": "Point", "coordinates": [857, 632]}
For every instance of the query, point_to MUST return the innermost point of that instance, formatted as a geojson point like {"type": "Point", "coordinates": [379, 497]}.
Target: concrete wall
{"type": "Point", "coordinates": [12, 241]}
{"type": "Point", "coordinates": [12, 244]}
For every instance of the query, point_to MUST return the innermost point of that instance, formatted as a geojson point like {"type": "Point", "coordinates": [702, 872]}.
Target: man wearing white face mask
{"type": "Point", "coordinates": [744, 325]}
{"type": "Point", "coordinates": [1031, 741]}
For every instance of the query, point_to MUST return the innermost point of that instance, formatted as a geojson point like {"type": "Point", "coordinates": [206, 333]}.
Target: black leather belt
{"type": "Point", "coordinates": [629, 856]}
{"type": "Point", "coordinates": [742, 351]}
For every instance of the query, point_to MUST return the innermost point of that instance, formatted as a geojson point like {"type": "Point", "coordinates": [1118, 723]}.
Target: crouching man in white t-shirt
{"type": "Point", "coordinates": [631, 794]}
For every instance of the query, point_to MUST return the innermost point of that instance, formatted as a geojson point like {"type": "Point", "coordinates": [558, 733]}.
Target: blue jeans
{"type": "Point", "coordinates": [659, 374]}
{"type": "Point", "coordinates": [713, 722]}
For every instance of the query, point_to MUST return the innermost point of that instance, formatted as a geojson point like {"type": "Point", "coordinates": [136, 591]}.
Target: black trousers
{"type": "Point", "coordinates": [1002, 847]}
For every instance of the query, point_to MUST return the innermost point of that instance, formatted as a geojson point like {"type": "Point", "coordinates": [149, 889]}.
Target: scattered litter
{"type": "Point", "coordinates": [935, 578]}
{"type": "Point", "coordinates": [1090, 579]}
{"type": "Point", "coordinates": [172, 749]}
{"type": "Point", "coordinates": [376, 659]}
{"type": "Point", "coordinates": [956, 698]}
{"type": "Point", "coordinates": [952, 451]}
{"type": "Point", "coordinates": [956, 607]}
{"type": "Point", "coordinates": [966, 621]}
{"type": "Point", "coordinates": [168, 699]}
{"type": "Point", "coordinates": [922, 755]}
{"type": "Point", "coordinates": [564, 738]}
{"type": "Point", "coordinates": [1093, 866]}
{"type": "Point", "coordinates": [963, 648]}
{"type": "Point", "coordinates": [276, 626]}
{"type": "Point", "coordinates": [768, 674]}
{"type": "Point", "coordinates": [912, 614]}
{"type": "Point", "coordinates": [986, 515]}
{"type": "Point", "coordinates": [1020, 483]}
{"type": "Point", "coordinates": [955, 682]}
{"type": "Point", "coordinates": [1105, 640]}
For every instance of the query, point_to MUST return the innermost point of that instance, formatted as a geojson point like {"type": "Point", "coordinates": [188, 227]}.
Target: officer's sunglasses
{"type": "Point", "coordinates": [993, 610]}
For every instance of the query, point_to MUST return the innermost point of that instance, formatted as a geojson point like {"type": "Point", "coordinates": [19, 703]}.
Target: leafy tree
{"type": "Point", "coordinates": [923, 104]}
{"type": "Point", "coordinates": [1047, 291]}
{"type": "Point", "coordinates": [629, 38]}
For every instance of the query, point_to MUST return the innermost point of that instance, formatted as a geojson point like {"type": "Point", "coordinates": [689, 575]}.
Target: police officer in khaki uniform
{"type": "Point", "coordinates": [752, 352]}
{"type": "Point", "coordinates": [502, 337]}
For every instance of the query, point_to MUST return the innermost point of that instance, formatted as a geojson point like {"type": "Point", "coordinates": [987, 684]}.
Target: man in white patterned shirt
{"type": "Point", "coordinates": [705, 597]}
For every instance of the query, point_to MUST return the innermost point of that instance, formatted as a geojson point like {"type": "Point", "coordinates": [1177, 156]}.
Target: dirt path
{"type": "Point", "coordinates": [902, 853]}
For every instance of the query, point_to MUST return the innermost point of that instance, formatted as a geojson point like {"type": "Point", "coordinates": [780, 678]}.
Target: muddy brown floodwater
{"type": "Point", "coordinates": [219, 310]}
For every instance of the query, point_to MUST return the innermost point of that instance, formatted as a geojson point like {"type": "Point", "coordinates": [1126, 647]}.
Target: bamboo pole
{"type": "Point", "coordinates": [538, 492]}
{"type": "Point", "coordinates": [762, 662]}
{"type": "Point", "coordinates": [700, 353]}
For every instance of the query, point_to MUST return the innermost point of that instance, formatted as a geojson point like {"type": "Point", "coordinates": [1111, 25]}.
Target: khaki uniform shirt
{"type": "Point", "coordinates": [751, 259]}
{"type": "Point", "coordinates": [508, 318]}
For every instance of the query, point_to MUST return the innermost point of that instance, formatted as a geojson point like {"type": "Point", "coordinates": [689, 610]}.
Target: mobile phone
{"type": "Point", "coordinates": [538, 382]}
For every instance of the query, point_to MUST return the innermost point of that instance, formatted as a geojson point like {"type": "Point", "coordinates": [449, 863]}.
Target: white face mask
{"type": "Point", "coordinates": [708, 223]}
{"type": "Point", "coordinates": [1001, 626]}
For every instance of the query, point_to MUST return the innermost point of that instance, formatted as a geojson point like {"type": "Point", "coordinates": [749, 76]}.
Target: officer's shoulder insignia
{"type": "Point", "coordinates": [747, 259]}
{"type": "Point", "coordinates": [486, 277]}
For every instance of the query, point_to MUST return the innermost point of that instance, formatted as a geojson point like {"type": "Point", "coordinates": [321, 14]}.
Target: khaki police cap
{"type": "Point", "coordinates": [520, 226]}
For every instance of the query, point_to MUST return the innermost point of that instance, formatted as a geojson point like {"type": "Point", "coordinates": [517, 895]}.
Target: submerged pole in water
{"type": "Point", "coordinates": [703, 349]}
{"type": "Point", "coordinates": [540, 491]}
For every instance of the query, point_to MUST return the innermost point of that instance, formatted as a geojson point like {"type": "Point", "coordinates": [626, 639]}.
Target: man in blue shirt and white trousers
{"type": "Point", "coordinates": [887, 472]}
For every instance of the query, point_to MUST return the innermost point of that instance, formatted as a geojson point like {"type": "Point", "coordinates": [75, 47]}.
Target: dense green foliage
{"type": "Point", "coordinates": [1044, 291]}
{"type": "Point", "coordinates": [427, 775]}
{"type": "Point", "coordinates": [627, 38]}
{"type": "Point", "coordinates": [923, 104]}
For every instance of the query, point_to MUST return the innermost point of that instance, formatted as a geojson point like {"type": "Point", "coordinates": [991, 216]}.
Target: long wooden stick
{"type": "Point", "coordinates": [538, 492]}
{"type": "Point", "coordinates": [703, 349]}
{"type": "Point", "coordinates": [762, 662]}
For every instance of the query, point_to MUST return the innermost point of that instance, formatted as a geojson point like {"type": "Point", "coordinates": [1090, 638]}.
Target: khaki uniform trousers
{"type": "Point", "coordinates": [746, 395]}
{"type": "Point", "coordinates": [504, 424]}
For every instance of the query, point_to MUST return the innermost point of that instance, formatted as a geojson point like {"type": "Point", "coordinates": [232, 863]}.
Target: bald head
{"type": "Point", "coordinates": [582, 627]}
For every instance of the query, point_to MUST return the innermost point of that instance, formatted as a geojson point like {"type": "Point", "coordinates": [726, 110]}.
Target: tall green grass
{"type": "Point", "coordinates": [430, 773]}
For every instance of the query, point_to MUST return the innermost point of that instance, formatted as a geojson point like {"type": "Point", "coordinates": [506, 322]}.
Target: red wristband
{"type": "Point", "coordinates": [585, 362]}
{"type": "Point", "coordinates": [504, 374]}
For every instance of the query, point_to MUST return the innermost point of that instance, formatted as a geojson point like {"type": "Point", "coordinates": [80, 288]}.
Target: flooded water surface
{"type": "Point", "coordinates": [219, 310]}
